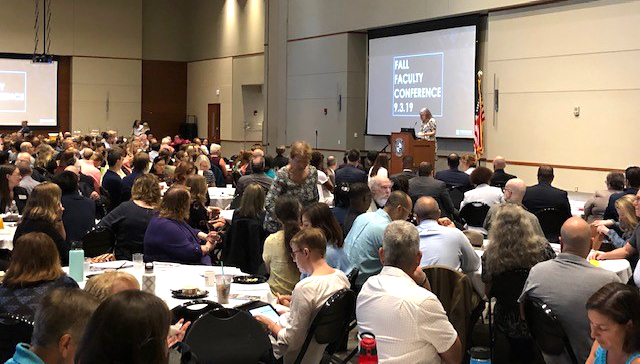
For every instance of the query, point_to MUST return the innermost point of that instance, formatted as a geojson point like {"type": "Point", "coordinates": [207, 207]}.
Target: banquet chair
{"type": "Point", "coordinates": [460, 301]}
{"type": "Point", "coordinates": [189, 312]}
{"type": "Point", "coordinates": [551, 221]}
{"type": "Point", "coordinates": [331, 322]}
{"type": "Point", "coordinates": [456, 194]}
{"type": "Point", "coordinates": [99, 240]}
{"type": "Point", "coordinates": [14, 329]}
{"type": "Point", "coordinates": [474, 213]}
{"type": "Point", "coordinates": [243, 244]}
{"type": "Point", "coordinates": [229, 336]}
{"type": "Point", "coordinates": [547, 330]}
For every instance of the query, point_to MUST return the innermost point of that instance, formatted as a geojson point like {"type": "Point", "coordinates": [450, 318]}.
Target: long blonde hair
{"type": "Point", "coordinates": [513, 242]}
{"type": "Point", "coordinates": [627, 212]}
{"type": "Point", "coordinates": [43, 203]}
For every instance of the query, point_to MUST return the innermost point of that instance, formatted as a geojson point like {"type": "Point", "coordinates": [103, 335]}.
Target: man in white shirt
{"type": "Point", "coordinates": [441, 245]}
{"type": "Point", "coordinates": [409, 322]}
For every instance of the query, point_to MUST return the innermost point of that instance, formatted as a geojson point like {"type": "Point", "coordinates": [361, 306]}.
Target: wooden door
{"type": "Point", "coordinates": [213, 123]}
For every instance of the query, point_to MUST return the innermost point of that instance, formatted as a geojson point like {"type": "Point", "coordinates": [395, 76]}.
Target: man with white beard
{"type": "Point", "coordinates": [380, 190]}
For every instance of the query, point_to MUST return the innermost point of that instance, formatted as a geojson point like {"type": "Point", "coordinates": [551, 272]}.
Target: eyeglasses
{"type": "Point", "coordinates": [293, 253]}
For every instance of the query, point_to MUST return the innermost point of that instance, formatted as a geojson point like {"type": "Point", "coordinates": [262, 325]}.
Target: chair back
{"type": "Point", "coordinates": [457, 195]}
{"type": "Point", "coordinates": [229, 336]}
{"type": "Point", "coordinates": [547, 330]}
{"type": "Point", "coordinates": [551, 221]}
{"type": "Point", "coordinates": [14, 329]}
{"type": "Point", "coordinates": [455, 291]}
{"type": "Point", "coordinates": [507, 287]}
{"type": "Point", "coordinates": [192, 310]}
{"type": "Point", "coordinates": [243, 245]}
{"type": "Point", "coordinates": [353, 276]}
{"type": "Point", "coordinates": [331, 321]}
{"type": "Point", "coordinates": [474, 213]}
{"type": "Point", "coordinates": [99, 240]}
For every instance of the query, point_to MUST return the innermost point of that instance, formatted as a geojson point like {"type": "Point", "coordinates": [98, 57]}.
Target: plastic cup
{"type": "Point", "coordinates": [138, 260]}
{"type": "Point", "coordinates": [223, 287]}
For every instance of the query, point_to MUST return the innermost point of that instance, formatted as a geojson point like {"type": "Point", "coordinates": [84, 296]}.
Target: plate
{"type": "Point", "coordinates": [177, 293]}
{"type": "Point", "coordinates": [249, 279]}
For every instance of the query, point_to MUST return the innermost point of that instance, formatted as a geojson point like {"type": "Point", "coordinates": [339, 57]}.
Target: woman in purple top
{"type": "Point", "coordinates": [170, 239]}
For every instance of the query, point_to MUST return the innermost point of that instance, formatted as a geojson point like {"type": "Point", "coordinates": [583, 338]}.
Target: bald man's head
{"type": "Point", "coordinates": [575, 237]}
{"type": "Point", "coordinates": [514, 190]}
{"type": "Point", "coordinates": [426, 208]}
{"type": "Point", "coordinates": [499, 163]}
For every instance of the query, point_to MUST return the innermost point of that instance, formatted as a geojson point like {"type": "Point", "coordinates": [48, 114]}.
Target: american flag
{"type": "Point", "coordinates": [477, 128]}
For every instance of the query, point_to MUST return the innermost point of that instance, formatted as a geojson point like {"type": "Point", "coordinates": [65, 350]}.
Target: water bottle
{"type": "Point", "coordinates": [76, 262]}
{"type": "Point", "coordinates": [149, 279]}
{"type": "Point", "coordinates": [480, 355]}
{"type": "Point", "coordinates": [368, 353]}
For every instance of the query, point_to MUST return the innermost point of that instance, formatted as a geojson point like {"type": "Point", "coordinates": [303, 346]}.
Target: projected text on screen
{"type": "Point", "coordinates": [418, 80]}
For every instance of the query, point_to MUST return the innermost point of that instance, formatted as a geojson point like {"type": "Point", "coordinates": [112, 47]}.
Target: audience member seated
{"type": "Point", "coordinates": [309, 295]}
{"type": "Point", "coordinates": [468, 163]}
{"type": "Point", "coordinates": [408, 320]}
{"type": "Point", "coordinates": [79, 214]}
{"type": "Point", "coordinates": [60, 321]}
{"type": "Point", "coordinates": [442, 245]}
{"type": "Point", "coordinates": [615, 324]}
{"type": "Point", "coordinates": [110, 336]}
{"type": "Point", "coordinates": [513, 246]}
{"type": "Point", "coordinates": [183, 170]}
{"type": "Point", "coordinates": [170, 239]}
{"type": "Point", "coordinates": [129, 220]}
{"type": "Point", "coordinates": [283, 273]}
{"type": "Point", "coordinates": [380, 190]}
{"type": "Point", "coordinates": [297, 179]}
{"type": "Point", "coordinates": [453, 177]}
{"type": "Point", "coordinates": [257, 176]}
{"type": "Point", "coordinates": [543, 195]}
{"type": "Point", "coordinates": [619, 232]}
{"type": "Point", "coordinates": [370, 159]}
{"type": "Point", "coordinates": [111, 181]}
{"type": "Point", "coordinates": [359, 202]}
{"type": "Point", "coordinates": [500, 177]}
{"type": "Point", "coordinates": [159, 164]}
{"type": "Point", "coordinates": [10, 190]}
{"type": "Point", "coordinates": [109, 283]}
{"type": "Point", "coordinates": [90, 163]}
{"type": "Point", "coordinates": [26, 180]}
{"type": "Point", "coordinates": [198, 213]}
{"type": "Point", "coordinates": [350, 173]}
{"type": "Point", "coordinates": [280, 160]}
{"type": "Point", "coordinates": [365, 237]}
{"type": "Point", "coordinates": [426, 185]}
{"type": "Point", "coordinates": [596, 205]}
{"type": "Point", "coordinates": [566, 282]}
{"type": "Point", "coordinates": [318, 215]}
{"type": "Point", "coordinates": [380, 167]}
{"type": "Point", "coordinates": [407, 173]}
{"type": "Point", "coordinates": [34, 270]}
{"type": "Point", "coordinates": [43, 214]}
{"type": "Point", "coordinates": [482, 192]}
{"type": "Point", "coordinates": [140, 166]}
{"type": "Point", "coordinates": [632, 181]}
{"type": "Point", "coordinates": [252, 206]}
{"type": "Point", "coordinates": [514, 191]}
{"type": "Point", "coordinates": [204, 168]}
{"type": "Point", "coordinates": [325, 186]}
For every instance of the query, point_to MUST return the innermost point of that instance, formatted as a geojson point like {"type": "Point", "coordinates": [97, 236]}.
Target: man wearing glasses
{"type": "Point", "coordinates": [514, 193]}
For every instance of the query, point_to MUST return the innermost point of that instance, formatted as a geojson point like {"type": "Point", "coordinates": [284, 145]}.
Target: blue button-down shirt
{"type": "Point", "coordinates": [24, 356]}
{"type": "Point", "coordinates": [364, 241]}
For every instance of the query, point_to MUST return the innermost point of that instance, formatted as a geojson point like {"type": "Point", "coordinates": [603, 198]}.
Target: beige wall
{"type": "Point", "coordinates": [165, 33]}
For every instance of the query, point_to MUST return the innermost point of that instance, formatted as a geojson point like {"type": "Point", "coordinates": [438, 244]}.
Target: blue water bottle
{"type": "Point", "coordinates": [76, 262]}
{"type": "Point", "coordinates": [480, 355]}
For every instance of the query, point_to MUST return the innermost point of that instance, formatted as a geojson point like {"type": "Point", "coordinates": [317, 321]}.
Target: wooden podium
{"type": "Point", "coordinates": [403, 144]}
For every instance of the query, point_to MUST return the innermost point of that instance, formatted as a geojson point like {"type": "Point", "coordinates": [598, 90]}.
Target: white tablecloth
{"type": "Point", "coordinates": [175, 276]}
{"type": "Point", "coordinates": [6, 236]}
{"type": "Point", "coordinates": [221, 196]}
{"type": "Point", "coordinates": [227, 214]}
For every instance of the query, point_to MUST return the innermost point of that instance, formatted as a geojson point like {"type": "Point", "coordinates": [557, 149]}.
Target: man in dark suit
{"type": "Point", "coordinates": [79, 213]}
{"type": "Point", "coordinates": [500, 177]}
{"type": "Point", "coordinates": [454, 177]}
{"type": "Point", "coordinates": [426, 185]}
{"type": "Point", "coordinates": [543, 195]}
{"type": "Point", "coordinates": [350, 172]}
{"type": "Point", "coordinates": [407, 168]}
{"type": "Point", "coordinates": [280, 160]}
{"type": "Point", "coordinates": [632, 178]}
{"type": "Point", "coordinates": [257, 176]}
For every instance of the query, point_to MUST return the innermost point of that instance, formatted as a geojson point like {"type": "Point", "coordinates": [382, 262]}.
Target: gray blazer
{"type": "Point", "coordinates": [429, 186]}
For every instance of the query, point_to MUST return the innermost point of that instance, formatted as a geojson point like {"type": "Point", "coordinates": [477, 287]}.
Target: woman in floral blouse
{"type": "Point", "coordinates": [296, 179]}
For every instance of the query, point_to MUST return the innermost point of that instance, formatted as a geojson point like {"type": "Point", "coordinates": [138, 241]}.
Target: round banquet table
{"type": "Point", "coordinates": [6, 235]}
{"type": "Point", "coordinates": [175, 276]}
{"type": "Point", "coordinates": [221, 196]}
{"type": "Point", "coordinates": [621, 267]}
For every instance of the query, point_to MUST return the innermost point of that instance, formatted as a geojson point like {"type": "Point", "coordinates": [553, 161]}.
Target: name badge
{"type": "Point", "coordinates": [22, 197]}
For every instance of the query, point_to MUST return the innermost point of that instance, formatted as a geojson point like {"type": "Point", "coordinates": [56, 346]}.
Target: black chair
{"type": "Point", "coordinates": [547, 330]}
{"type": "Point", "coordinates": [353, 276]}
{"type": "Point", "coordinates": [189, 312]}
{"type": "Point", "coordinates": [551, 221]}
{"type": "Point", "coordinates": [331, 321]}
{"type": "Point", "coordinates": [456, 194]}
{"type": "Point", "coordinates": [99, 240]}
{"type": "Point", "coordinates": [243, 244]}
{"type": "Point", "coordinates": [229, 336]}
{"type": "Point", "coordinates": [474, 213]}
{"type": "Point", "coordinates": [14, 329]}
